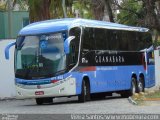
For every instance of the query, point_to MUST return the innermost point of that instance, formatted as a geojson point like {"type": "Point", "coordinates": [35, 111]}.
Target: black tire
{"type": "Point", "coordinates": [140, 85]}
{"type": "Point", "coordinates": [39, 101]}
{"type": "Point", "coordinates": [85, 92]}
{"type": "Point", "coordinates": [131, 91]}
{"type": "Point", "coordinates": [48, 100]}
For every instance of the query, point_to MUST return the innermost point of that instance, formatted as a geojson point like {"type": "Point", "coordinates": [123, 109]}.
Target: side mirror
{"type": "Point", "coordinates": [7, 49]}
{"type": "Point", "coordinates": [67, 44]}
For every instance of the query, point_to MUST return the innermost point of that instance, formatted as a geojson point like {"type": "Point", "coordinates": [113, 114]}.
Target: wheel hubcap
{"type": "Point", "coordinates": [85, 90]}
{"type": "Point", "coordinates": [140, 86]}
{"type": "Point", "coordinates": [134, 89]}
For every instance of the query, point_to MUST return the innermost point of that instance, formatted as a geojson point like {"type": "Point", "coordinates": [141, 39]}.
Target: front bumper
{"type": "Point", "coordinates": [66, 87]}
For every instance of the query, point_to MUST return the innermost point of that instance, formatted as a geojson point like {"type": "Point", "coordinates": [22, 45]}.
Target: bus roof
{"type": "Point", "coordinates": [57, 25]}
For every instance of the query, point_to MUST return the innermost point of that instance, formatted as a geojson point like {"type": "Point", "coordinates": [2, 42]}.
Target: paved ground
{"type": "Point", "coordinates": [109, 105]}
{"type": "Point", "coordinates": [28, 110]}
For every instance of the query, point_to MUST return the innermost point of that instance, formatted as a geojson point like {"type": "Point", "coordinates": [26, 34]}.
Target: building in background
{"type": "Point", "coordinates": [19, 19]}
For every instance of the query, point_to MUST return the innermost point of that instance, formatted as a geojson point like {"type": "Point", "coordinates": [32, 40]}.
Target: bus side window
{"type": "Point", "coordinates": [100, 39]}
{"type": "Point", "coordinates": [132, 45]}
{"type": "Point", "coordinates": [139, 41]}
{"type": "Point", "coordinates": [74, 45]}
{"type": "Point", "coordinates": [88, 42]}
{"type": "Point", "coordinates": [114, 40]}
{"type": "Point", "coordinates": [118, 39]}
{"type": "Point", "coordinates": [124, 41]}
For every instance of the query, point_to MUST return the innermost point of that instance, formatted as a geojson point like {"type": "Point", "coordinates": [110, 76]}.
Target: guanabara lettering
{"type": "Point", "coordinates": [109, 59]}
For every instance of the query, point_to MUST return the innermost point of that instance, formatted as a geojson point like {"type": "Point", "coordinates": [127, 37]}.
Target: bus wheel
{"type": "Point", "coordinates": [39, 101]}
{"type": "Point", "coordinates": [141, 85]}
{"type": "Point", "coordinates": [85, 93]}
{"type": "Point", "coordinates": [131, 91]}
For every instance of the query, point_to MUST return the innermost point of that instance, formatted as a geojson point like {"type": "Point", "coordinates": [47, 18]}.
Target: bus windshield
{"type": "Point", "coordinates": [40, 56]}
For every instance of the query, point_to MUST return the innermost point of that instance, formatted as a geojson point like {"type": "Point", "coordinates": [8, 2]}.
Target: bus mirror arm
{"type": "Point", "coordinates": [67, 44]}
{"type": "Point", "coordinates": [7, 49]}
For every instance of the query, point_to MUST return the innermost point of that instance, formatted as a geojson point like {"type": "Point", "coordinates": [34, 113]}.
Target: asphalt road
{"type": "Point", "coordinates": [109, 105]}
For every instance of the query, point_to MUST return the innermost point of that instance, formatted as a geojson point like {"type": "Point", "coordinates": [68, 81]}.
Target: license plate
{"type": "Point", "coordinates": [39, 93]}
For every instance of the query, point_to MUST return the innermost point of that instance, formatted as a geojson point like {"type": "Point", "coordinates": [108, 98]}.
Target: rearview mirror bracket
{"type": "Point", "coordinates": [7, 49]}
{"type": "Point", "coordinates": [67, 44]}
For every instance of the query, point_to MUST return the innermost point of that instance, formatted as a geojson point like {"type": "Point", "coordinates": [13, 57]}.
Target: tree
{"type": "Point", "coordinates": [141, 12]}
{"type": "Point", "coordinates": [83, 8]}
{"type": "Point", "coordinates": [151, 19]}
{"type": "Point", "coordinates": [108, 7]}
{"type": "Point", "coordinates": [102, 9]}
{"type": "Point", "coordinates": [98, 9]}
{"type": "Point", "coordinates": [39, 10]}
{"type": "Point", "coordinates": [131, 13]}
{"type": "Point", "coordinates": [64, 8]}
{"type": "Point", "coordinates": [47, 9]}
{"type": "Point", "coordinates": [2, 6]}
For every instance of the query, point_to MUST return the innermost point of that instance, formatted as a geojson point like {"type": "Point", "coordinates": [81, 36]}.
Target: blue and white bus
{"type": "Point", "coordinates": [84, 58]}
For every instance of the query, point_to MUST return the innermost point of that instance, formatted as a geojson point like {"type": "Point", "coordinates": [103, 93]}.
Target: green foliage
{"type": "Point", "coordinates": [155, 94]}
{"type": "Point", "coordinates": [156, 43]}
{"type": "Point", "coordinates": [34, 9]}
{"type": "Point", "coordinates": [84, 8]}
{"type": "Point", "coordinates": [131, 13]}
{"type": "Point", "coordinates": [38, 10]}
{"type": "Point", "coordinates": [4, 6]}
{"type": "Point", "coordinates": [56, 10]}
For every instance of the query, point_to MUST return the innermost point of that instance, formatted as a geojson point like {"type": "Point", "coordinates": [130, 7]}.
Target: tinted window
{"type": "Point", "coordinates": [105, 39]}
{"type": "Point", "coordinates": [101, 38]}
{"type": "Point", "coordinates": [132, 45]}
{"type": "Point", "coordinates": [124, 41]}
{"type": "Point", "coordinates": [88, 39]}
{"type": "Point", "coordinates": [74, 45]}
{"type": "Point", "coordinates": [135, 41]}
{"type": "Point", "coordinates": [114, 40]}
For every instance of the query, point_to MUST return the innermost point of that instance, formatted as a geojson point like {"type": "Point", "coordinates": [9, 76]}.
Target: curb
{"type": "Point", "coordinates": [7, 98]}
{"type": "Point", "coordinates": [152, 99]}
